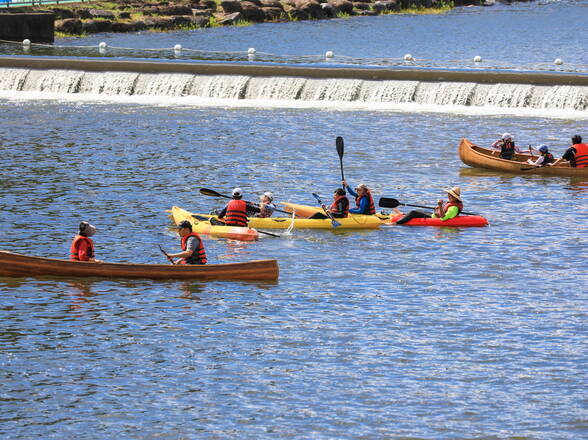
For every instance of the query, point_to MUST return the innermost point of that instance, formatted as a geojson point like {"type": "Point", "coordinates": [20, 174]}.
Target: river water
{"type": "Point", "coordinates": [401, 333]}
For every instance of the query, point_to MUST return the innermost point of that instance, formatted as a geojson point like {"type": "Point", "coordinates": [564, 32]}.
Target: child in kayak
{"type": "Point", "coordinates": [340, 206]}
{"type": "Point", "coordinates": [443, 211]}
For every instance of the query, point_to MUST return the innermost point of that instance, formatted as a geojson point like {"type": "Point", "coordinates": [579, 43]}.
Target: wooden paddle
{"type": "Point", "coordinates": [386, 202]}
{"type": "Point", "coordinates": [340, 150]}
{"type": "Point", "coordinates": [166, 254]}
{"type": "Point", "coordinates": [214, 221]}
{"type": "Point", "coordinates": [334, 222]}
{"type": "Point", "coordinates": [213, 193]}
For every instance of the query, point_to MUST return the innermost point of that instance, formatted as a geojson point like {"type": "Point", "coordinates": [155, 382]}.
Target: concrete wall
{"type": "Point", "coordinates": [253, 69]}
{"type": "Point", "coordinates": [37, 27]}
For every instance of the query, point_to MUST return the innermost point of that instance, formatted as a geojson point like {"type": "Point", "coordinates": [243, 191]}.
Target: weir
{"type": "Point", "coordinates": [250, 81]}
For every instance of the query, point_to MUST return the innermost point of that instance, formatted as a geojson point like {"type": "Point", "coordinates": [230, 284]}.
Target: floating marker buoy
{"type": "Point", "coordinates": [477, 59]}
{"type": "Point", "coordinates": [178, 47]}
{"type": "Point", "coordinates": [26, 42]}
{"type": "Point", "coordinates": [408, 57]}
{"type": "Point", "coordinates": [558, 61]}
{"type": "Point", "coordinates": [251, 51]}
{"type": "Point", "coordinates": [329, 54]}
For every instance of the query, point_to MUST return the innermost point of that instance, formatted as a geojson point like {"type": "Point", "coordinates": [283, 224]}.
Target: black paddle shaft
{"type": "Point", "coordinates": [213, 193]}
{"type": "Point", "coordinates": [334, 222]}
{"type": "Point", "coordinates": [340, 151]}
{"type": "Point", "coordinates": [386, 202]}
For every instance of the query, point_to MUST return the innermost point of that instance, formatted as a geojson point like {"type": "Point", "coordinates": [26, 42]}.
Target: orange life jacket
{"type": "Point", "coordinates": [335, 206]}
{"type": "Point", "coordinates": [75, 248]}
{"type": "Point", "coordinates": [199, 256]}
{"type": "Point", "coordinates": [236, 213]}
{"type": "Point", "coordinates": [371, 206]}
{"type": "Point", "coordinates": [581, 155]}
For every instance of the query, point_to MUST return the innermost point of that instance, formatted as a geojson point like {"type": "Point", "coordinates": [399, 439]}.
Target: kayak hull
{"type": "Point", "coordinates": [461, 221]}
{"type": "Point", "coordinates": [204, 227]}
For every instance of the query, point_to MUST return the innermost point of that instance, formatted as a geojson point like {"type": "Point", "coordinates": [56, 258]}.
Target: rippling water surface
{"type": "Point", "coordinates": [417, 333]}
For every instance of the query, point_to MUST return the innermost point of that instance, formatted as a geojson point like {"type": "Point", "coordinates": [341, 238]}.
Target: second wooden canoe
{"type": "Point", "coordinates": [479, 157]}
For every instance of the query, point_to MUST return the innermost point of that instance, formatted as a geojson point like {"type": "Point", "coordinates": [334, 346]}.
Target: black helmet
{"type": "Point", "coordinates": [185, 224]}
{"type": "Point", "coordinates": [576, 139]}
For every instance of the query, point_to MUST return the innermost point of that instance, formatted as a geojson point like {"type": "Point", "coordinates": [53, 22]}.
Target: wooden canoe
{"type": "Point", "coordinates": [18, 265]}
{"type": "Point", "coordinates": [479, 157]}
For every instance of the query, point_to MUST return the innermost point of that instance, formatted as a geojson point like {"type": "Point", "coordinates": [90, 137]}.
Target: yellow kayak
{"type": "Point", "coordinates": [204, 227]}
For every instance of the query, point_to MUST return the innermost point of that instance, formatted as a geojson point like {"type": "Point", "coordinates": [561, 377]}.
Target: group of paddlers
{"type": "Point", "coordinates": [576, 155]}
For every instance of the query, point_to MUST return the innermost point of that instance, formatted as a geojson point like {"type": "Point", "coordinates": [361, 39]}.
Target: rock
{"type": "Point", "coordinates": [182, 20]}
{"type": "Point", "coordinates": [202, 12]}
{"type": "Point", "coordinates": [344, 6]}
{"type": "Point", "coordinates": [366, 13]}
{"type": "Point", "coordinates": [230, 19]}
{"type": "Point", "coordinates": [311, 7]}
{"type": "Point", "coordinates": [61, 13]}
{"type": "Point", "coordinates": [175, 10]}
{"type": "Point", "coordinates": [89, 27]}
{"type": "Point", "coordinates": [83, 13]}
{"type": "Point", "coordinates": [103, 25]}
{"type": "Point", "coordinates": [69, 26]}
{"type": "Point", "coordinates": [252, 12]}
{"type": "Point", "coordinates": [361, 6]}
{"type": "Point", "coordinates": [329, 10]}
{"type": "Point", "coordinates": [139, 25]}
{"type": "Point", "coordinates": [273, 14]}
{"type": "Point", "coordinates": [231, 6]}
{"type": "Point", "coordinates": [101, 13]}
{"type": "Point", "coordinates": [386, 6]}
{"type": "Point", "coordinates": [208, 4]}
{"type": "Point", "coordinates": [123, 27]}
{"type": "Point", "coordinates": [162, 22]}
{"type": "Point", "coordinates": [201, 21]}
{"type": "Point", "coordinates": [488, 3]}
{"type": "Point", "coordinates": [124, 15]}
{"type": "Point", "coordinates": [271, 4]}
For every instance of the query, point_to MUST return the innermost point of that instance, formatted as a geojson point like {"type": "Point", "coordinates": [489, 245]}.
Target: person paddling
{"type": "Point", "coordinates": [266, 206]}
{"type": "Point", "coordinates": [192, 247]}
{"type": "Point", "coordinates": [82, 246]}
{"type": "Point", "coordinates": [340, 206]}
{"type": "Point", "coordinates": [576, 155]}
{"type": "Point", "coordinates": [443, 211]}
{"type": "Point", "coordinates": [544, 159]}
{"type": "Point", "coordinates": [363, 199]}
{"type": "Point", "coordinates": [507, 146]}
{"type": "Point", "coordinates": [235, 212]}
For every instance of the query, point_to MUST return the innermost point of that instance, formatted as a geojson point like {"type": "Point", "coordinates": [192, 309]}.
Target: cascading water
{"type": "Point", "coordinates": [294, 90]}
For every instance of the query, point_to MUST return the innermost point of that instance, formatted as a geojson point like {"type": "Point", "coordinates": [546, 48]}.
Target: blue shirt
{"type": "Point", "coordinates": [364, 203]}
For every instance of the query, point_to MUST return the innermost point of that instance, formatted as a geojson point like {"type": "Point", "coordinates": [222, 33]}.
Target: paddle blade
{"type": "Point", "coordinates": [340, 146]}
{"type": "Point", "coordinates": [317, 197]}
{"type": "Point", "coordinates": [386, 202]}
{"type": "Point", "coordinates": [211, 193]}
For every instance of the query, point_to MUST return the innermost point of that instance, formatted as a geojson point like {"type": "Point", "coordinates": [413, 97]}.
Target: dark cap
{"type": "Point", "coordinates": [185, 224]}
{"type": "Point", "coordinates": [340, 191]}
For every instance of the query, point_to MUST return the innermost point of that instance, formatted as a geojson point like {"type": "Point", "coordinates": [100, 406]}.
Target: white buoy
{"type": "Point", "coordinates": [251, 51]}
{"type": "Point", "coordinates": [329, 54]}
{"type": "Point", "coordinates": [477, 59]}
{"type": "Point", "coordinates": [178, 47]}
{"type": "Point", "coordinates": [558, 61]}
{"type": "Point", "coordinates": [408, 57]}
{"type": "Point", "coordinates": [102, 45]}
{"type": "Point", "coordinates": [26, 42]}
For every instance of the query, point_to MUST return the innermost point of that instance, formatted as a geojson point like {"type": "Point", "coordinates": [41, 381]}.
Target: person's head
{"type": "Point", "coordinates": [454, 194]}
{"type": "Point", "coordinates": [184, 228]}
{"type": "Point", "coordinates": [361, 189]}
{"type": "Point", "coordinates": [507, 137]}
{"type": "Point", "coordinates": [266, 197]}
{"type": "Point", "coordinates": [86, 229]}
{"type": "Point", "coordinates": [237, 193]}
{"type": "Point", "coordinates": [543, 149]}
{"type": "Point", "coordinates": [339, 192]}
{"type": "Point", "coordinates": [576, 139]}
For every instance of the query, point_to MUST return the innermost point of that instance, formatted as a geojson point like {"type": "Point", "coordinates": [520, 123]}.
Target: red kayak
{"type": "Point", "coordinates": [461, 221]}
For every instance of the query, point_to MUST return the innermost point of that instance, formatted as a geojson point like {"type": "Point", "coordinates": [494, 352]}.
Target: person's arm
{"type": "Point", "coordinates": [253, 208]}
{"type": "Point", "coordinates": [453, 211]}
{"type": "Point", "coordinates": [350, 191]}
{"type": "Point", "coordinates": [222, 213]}
{"type": "Point", "coordinates": [190, 248]}
{"type": "Point", "coordinates": [538, 162]}
{"type": "Point", "coordinates": [363, 206]}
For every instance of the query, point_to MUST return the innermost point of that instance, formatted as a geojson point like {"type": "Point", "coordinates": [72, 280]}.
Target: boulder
{"type": "Point", "coordinates": [69, 26]}
{"type": "Point", "coordinates": [231, 6]}
{"type": "Point", "coordinates": [229, 19]}
{"type": "Point", "coordinates": [201, 21]}
{"type": "Point", "coordinates": [344, 6]}
{"type": "Point", "coordinates": [175, 10]}
{"type": "Point", "coordinates": [252, 12]}
{"type": "Point", "coordinates": [124, 15]}
{"type": "Point", "coordinates": [62, 13]}
{"type": "Point", "coordinates": [83, 13]}
{"type": "Point", "coordinates": [271, 4]}
{"type": "Point", "coordinates": [182, 20]}
{"type": "Point", "coordinates": [163, 22]}
{"type": "Point", "coordinates": [329, 10]}
{"type": "Point", "coordinates": [123, 27]}
{"type": "Point", "coordinates": [101, 13]}
{"type": "Point", "coordinates": [103, 25]}
{"type": "Point", "coordinates": [362, 6]}
{"type": "Point", "coordinates": [208, 4]}
{"type": "Point", "coordinates": [139, 25]}
{"type": "Point", "coordinates": [202, 12]}
{"type": "Point", "coordinates": [273, 14]}
{"type": "Point", "coordinates": [311, 7]}
{"type": "Point", "coordinates": [386, 6]}
{"type": "Point", "coordinates": [89, 27]}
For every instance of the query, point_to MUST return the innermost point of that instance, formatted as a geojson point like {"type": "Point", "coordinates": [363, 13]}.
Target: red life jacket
{"type": "Point", "coordinates": [371, 206]}
{"type": "Point", "coordinates": [581, 155]}
{"type": "Point", "coordinates": [507, 150]}
{"type": "Point", "coordinates": [74, 250]}
{"type": "Point", "coordinates": [450, 204]}
{"type": "Point", "coordinates": [199, 255]}
{"type": "Point", "coordinates": [547, 159]}
{"type": "Point", "coordinates": [335, 206]}
{"type": "Point", "coordinates": [236, 213]}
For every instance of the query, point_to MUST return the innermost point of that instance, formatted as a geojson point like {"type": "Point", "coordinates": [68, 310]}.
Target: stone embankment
{"type": "Point", "coordinates": [133, 15]}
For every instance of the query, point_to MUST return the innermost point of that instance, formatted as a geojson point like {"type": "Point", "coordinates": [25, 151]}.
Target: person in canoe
{"type": "Point", "coordinates": [235, 212]}
{"type": "Point", "coordinates": [363, 199]}
{"type": "Point", "coordinates": [340, 206]}
{"type": "Point", "coordinates": [444, 210]}
{"type": "Point", "coordinates": [82, 246]}
{"type": "Point", "coordinates": [192, 247]}
{"type": "Point", "coordinates": [576, 155]}
{"type": "Point", "coordinates": [544, 159]}
{"type": "Point", "coordinates": [266, 206]}
{"type": "Point", "coordinates": [506, 146]}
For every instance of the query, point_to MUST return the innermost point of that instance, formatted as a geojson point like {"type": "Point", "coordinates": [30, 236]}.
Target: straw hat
{"type": "Point", "coordinates": [455, 192]}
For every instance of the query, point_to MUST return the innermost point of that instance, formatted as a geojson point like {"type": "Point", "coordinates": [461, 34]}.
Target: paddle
{"type": "Point", "coordinates": [214, 221]}
{"type": "Point", "coordinates": [213, 193]}
{"type": "Point", "coordinates": [166, 254]}
{"type": "Point", "coordinates": [340, 150]}
{"type": "Point", "coordinates": [386, 202]}
{"type": "Point", "coordinates": [334, 222]}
